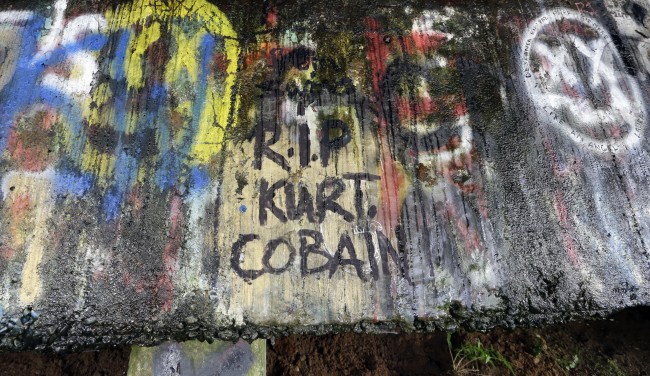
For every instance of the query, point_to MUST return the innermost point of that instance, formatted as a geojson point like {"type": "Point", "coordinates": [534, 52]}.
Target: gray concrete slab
{"type": "Point", "coordinates": [189, 170]}
{"type": "Point", "coordinates": [194, 358]}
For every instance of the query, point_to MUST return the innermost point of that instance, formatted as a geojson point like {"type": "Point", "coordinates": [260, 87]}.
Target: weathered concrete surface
{"type": "Point", "coordinates": [194, 170]}
{"type": "Point", "coordinates": [194, 358]}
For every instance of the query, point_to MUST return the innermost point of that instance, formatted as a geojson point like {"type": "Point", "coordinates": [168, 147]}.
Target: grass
{"type": "Point", "coordinates": [471, 356]}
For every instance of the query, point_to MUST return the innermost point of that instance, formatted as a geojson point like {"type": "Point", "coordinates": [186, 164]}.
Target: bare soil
{"type": "Point", "coordinates": [617, 346]}
{"type": "Point", "coordinates": [113, 362]}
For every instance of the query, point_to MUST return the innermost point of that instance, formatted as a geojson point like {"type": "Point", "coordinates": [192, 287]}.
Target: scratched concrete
{"type": "Point", "coordinates": [194, 358]}
{"type": "Point", "coordinates": [197, 170]}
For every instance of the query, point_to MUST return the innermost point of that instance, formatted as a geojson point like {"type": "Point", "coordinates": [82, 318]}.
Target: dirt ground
{"type": "Point", "coordinates": [617, 346]}
{"type": "Point", "coordinates": [94, 363]}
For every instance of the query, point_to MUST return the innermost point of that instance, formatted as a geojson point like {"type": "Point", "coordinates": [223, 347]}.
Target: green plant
{"type": "Point", "coordinates": [569, 363]}
{"type": "Point", "coordinates": [538, 346]}
{"type": "Point", "coordinates": [613, 368]}
{"type": "Point", "coordinates": [470, 356]}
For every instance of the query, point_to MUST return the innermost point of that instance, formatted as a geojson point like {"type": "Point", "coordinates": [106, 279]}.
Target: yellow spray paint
{"type": "Point", "coordinates": [32, 197]}
{"type": "Point", "coordinates": [43, 207]}
{"type": "Point", "coordinates": [150, 17]}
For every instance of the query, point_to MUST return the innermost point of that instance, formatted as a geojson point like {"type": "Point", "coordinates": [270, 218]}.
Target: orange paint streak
{"type": "Point", "coordinates": [471, 239]}
{"type": "Point", "coordinates": [392, 178]}
{"type": "Point", "coordinates": [461, 109]}
{"type": "Point", "coordinates": [21, 205]}
{"type": "Point", "coordinates": [429, 41]}
{"type": "Point", "coordinates": [560, 208]}
{"type": "Point", "coordinates": [419, 110]}
{"type": "Point", "coordinates": [380, 48]}
{"type": "Point", "coordinates": [272, 17]}
{"type": "Point", "coordinates": [27, 157]}
{"type": "Point", "coordinates": [377, 53]}
{"type": "Point", "coordinates": [7, 252]}
{"type": "Point", "coordinates": [29, 146]}
{"type": "Point", "coordinates": [562, 214]}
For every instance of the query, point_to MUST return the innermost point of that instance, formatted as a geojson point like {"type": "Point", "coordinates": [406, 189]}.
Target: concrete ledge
{"type": "Point", "coordinates": [190, 170]}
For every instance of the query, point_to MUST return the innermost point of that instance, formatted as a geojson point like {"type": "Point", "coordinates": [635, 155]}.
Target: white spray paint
{"type": "Point", "coordinates": [82, 64]}
{"type": "Point", "coordinates": [579, 84]}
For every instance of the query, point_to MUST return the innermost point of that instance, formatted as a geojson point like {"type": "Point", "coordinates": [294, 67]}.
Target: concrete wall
{"type": "Point", "coordinates": [183, 169]}
{"type": "Point", "coordinates": [196, 358]}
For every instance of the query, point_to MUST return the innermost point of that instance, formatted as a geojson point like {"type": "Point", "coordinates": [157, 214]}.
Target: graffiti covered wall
{"type": "Point", "coordinates": [191, 169]}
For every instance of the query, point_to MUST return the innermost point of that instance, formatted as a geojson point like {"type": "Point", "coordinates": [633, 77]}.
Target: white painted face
{"type": "Point", "coordinates": [576, 79]}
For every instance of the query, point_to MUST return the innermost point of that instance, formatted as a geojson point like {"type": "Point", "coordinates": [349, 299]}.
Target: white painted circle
{"type": "Point", "coordinates": [577, 82]}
